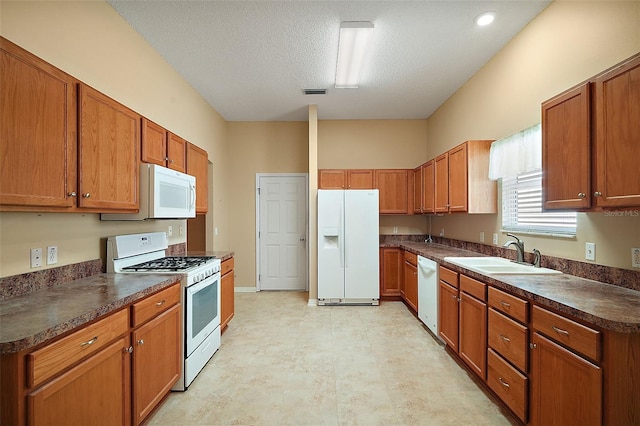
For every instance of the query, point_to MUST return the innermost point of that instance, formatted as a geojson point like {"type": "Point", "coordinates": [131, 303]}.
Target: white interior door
{"type": "Point", "coordinates": [282, 232]}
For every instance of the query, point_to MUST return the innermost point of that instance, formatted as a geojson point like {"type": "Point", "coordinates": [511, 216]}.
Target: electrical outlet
{"type": "Point", "coordinates": [36, 257]}
{"type": "Point", "coordinates": [590, 251]}
{"type": "Point", "coordinates": [52, 255]}
{"type": "Point", "coordinates": [170, 230]}
{"type": "Point", "coordinates": [181, 229]}
{"type": "Point", "coordinates": [395, 230]}
{"type": "Point", "coordinates": [635, 257]}
{"type": "Point", "coordinates": [215, 231]}
{"type": "Point", "coordinates": [442, 232]}
{"type": "Point", "coordinates": [495, 239]}
{"type": "Point", "coordinates": [482, 237]}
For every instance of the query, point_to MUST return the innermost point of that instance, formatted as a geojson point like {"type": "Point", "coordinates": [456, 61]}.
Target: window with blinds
{"type": "Point", "coordinates": [522, 208]}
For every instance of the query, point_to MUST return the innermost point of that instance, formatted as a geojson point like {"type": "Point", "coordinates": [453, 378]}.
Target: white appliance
{"type": "Point", "coordinates": [200, 296]}
{"type": "Point", "coordinates": [428, 293]}
{"type": "Point", "coordinates": [164, 194]}
{"type": "Point", "coordinates": [348, 247]}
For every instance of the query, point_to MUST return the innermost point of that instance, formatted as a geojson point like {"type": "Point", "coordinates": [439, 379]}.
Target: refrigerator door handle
{"type": "Point", "coordinates": [343, 256]}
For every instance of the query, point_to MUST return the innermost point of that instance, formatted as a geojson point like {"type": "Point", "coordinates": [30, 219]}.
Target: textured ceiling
{"type": "Point", "coordinates": [251, 60]}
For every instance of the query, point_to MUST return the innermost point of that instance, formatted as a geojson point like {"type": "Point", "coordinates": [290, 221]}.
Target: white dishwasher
{"type": "Point", "coordinates": [428, 293]}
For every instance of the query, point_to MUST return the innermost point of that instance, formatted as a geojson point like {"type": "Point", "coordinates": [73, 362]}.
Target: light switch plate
{"type": "Point", "coordinates": [590, 251]}
{"type": "Point", "coordinates": [36, 257]}
{"type": "Point", "coordinates": [635, 257]}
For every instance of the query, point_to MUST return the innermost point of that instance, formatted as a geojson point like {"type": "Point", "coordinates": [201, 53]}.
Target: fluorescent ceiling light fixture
{"type": "Point", "coordinates": [485, 18]}
{"type": "Point", "coordinates": [352, 47]}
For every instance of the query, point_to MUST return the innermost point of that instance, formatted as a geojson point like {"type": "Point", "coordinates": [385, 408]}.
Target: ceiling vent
{"type": "Point", "coordinates": [315, 91]}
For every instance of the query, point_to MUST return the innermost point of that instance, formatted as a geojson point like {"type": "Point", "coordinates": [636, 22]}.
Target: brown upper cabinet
{"type": "Point", "coordinates": [345, 179]}
{"type": "Point", "coordinates": [590, 143]}
{"type": "Point", "coordinates": [159, 146]}
{"type": "Point", "coordinates": [64, 145]}
{"type": "Point", "coordinates": [198, 166]}
{"type": "Point", "coordinates": [38, 143]}
{"type": "Point", "coordinates": [461, 182]}
{"type": "Point", "coordinates": [417, 190]}
{"type": "Point", "coordinates": [424, 188]}
{"type": "Point", "coordinates": [108, 143]}
{"type": "Point", "coordinates": [393, 187]}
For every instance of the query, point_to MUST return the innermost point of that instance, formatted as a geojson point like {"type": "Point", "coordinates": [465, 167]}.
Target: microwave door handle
{"type": "Point", "coordinates": [193, 196]}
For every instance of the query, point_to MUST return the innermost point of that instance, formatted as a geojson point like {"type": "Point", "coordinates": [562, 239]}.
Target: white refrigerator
{"type": "Point", "coordinates": [348, 247]}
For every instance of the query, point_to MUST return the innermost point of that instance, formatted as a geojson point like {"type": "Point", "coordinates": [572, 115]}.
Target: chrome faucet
{"type": "Point", "coordinates": [536, 260]}
{"type": "Point", "coordinates": [519, 247]}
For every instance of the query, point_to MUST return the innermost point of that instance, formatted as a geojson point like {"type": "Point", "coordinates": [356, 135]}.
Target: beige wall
{"type": "Point", "coordinates": [566, 44]}
{"type": "Point", "coordinates": [371, 144]}
{"type": "Point", "coordinates": [257, 147]}
{"type": "Point", "coordinates": [90, 41]}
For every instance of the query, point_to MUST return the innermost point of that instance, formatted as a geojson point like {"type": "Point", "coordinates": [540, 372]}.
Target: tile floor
{"type": "Point", "coordinates": [285, 363]}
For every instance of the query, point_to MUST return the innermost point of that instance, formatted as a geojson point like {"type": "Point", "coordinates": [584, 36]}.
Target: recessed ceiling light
{"type": "Point", "coordinates": [485, 18]}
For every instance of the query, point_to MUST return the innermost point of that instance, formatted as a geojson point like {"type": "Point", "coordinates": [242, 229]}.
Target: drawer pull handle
{"type": "Point", "coordinates": [141, 342]}
{"type": "Point", "coordinates": [559, 330]}
{"type": "Point", "coordinates": [505, 384]}
{"type": "Point", "coordinates": [160, 303]}
{"type": "Point", "coordinates": [505, 338]}
{"type": "Point", "coordinates": [89, 342]}
{"type": "Point", "coordinates": [505, 304]}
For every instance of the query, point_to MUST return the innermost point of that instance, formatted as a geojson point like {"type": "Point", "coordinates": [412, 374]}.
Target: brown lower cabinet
{"type": "Point", "coordinates": [411, 283]}
{"type": "Point", "coordinates": [113, 371]}
{"type": "Point", "coordinates": [227, 293]}
{"type": "Point", "coordinates": [391, 263]}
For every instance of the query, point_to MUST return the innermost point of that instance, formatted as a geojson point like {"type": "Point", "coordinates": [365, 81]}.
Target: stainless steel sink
{"type": "Point", "coordinates": [498, 265]}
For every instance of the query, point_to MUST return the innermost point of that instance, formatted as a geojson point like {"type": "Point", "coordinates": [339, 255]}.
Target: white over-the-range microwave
{"type": "Point", "coordinates": [164, 194]}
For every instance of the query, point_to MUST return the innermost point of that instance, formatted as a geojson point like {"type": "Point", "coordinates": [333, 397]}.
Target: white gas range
{"type": "Point", "coordinates": [200, 297]}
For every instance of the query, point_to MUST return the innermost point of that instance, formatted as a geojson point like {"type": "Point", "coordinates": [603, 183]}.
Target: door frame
{"type": "Point", "coordinates": [306, 196]}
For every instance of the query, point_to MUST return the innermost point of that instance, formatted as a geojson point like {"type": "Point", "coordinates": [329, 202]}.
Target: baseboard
{"type": "Point", "coordinates": [244, 289]}
{"type": "Point", "coordinates": [313, 302]}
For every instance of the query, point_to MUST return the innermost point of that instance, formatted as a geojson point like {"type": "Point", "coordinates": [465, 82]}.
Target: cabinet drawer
{"type": "Point", "coordinates": [153, 305]}
{"type": "Point", "coordinates": [508, 383]}
{"type": "Point", "coordinates": [581, 339]}
{"type": "Point", "coordinates": [52, 359]}
{"type": "Point", "coordinates": [448, 276]}
{"type": "Point", "coordinates": [411, 258]}
{"type": "Point", "coordinates": [511, 305]}
{"type": "Point", "coordinates": [226, 266]}
{"type": "Point", "coordinates": [508, 338]}
{"type": "Point", "coordinates": [473, 287]}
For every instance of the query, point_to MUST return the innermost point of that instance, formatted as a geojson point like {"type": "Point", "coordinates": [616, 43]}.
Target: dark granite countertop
{"type": "Point", "coordinates": [605, 305]}
{"type": "Point", "coordinates": [220, 254]}
{"type": "Point", "coordinates": [33, 318]}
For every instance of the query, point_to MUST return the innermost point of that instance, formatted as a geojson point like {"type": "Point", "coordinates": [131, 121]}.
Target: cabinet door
{"type": "Point", "coordinates": [96, 392]}
{"type": "Point", "coordinates": [458, 189]}
{"type": "Point", "coordinates": [392, 185]}
{"type": "Point", "coordinates": [566, 150]}
{"type": "Point", "coordinates": [332, 179]}
{"type": "Point", "coordinates": [441, 183]}
{"type": "Point", "coordinates": [38, 144]}
{"type": "Point", "coordinates": [473, 334]}
{"type": "Point", "coordinates": [154, 143]}
{"type": "Point", "coordinates": [391, 263]}
{"type": "Point", "coordinates": [417, 190]}
{"type": "Point", "coordinates": [448, 315]}
{"type": "Point", "coordinates": [156, 361]}
{"type": "Point", "coordinates": [411, 285]}
{"type": "Point", "coordinates": [617, 139]}
{"type": "Point", "coordinates": [227, 299]}
{"type": "Point", "coordinates": [360, 179]}
{"type": "Point", "coordinates": [198, 165]}
{"type": "Point", "coordinates": [109, 140]}
{"type": "Point", "coordinates": [428, 187]}
{"type": "Point", "coordinates": [565, 388]}
{"type": "Point", "coordinates": [177, 153]}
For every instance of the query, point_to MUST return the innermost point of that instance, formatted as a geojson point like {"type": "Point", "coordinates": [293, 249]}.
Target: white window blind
{"type": "Point", "coordinates": [522, 208]}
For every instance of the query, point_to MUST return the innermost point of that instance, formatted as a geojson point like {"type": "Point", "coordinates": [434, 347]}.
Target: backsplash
{"type": "Point", "coordinates": [606, 274]}
{"type": "Point", "coordinates": [17, 285]}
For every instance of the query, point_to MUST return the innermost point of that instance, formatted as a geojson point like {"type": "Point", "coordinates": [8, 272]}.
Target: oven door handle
{"type": "Point", "coordinates": [204, 283]}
